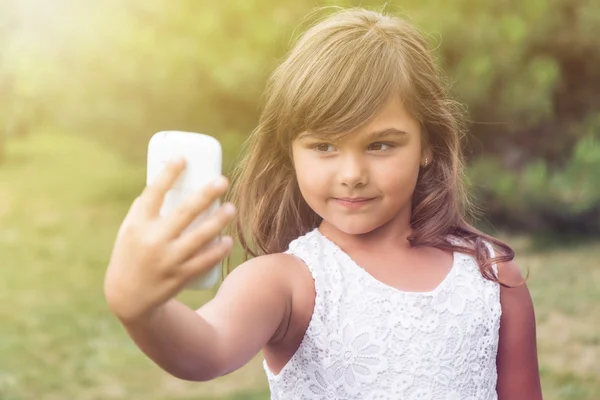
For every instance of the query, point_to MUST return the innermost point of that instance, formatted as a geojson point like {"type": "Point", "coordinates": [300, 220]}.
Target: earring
{"type": "Point", "coordinates": [426, 162]}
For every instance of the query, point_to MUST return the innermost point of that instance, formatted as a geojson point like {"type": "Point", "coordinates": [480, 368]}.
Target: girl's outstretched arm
{"type": "Point", "coordinates": [251, 308]}
{"type": "Point", "coordinates": [518, 374]}
{"type": "Point", "coordinates": [152, 261]}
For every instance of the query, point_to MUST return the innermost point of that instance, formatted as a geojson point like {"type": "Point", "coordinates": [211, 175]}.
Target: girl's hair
{"type": "Point", "coordinates": [340, 73]}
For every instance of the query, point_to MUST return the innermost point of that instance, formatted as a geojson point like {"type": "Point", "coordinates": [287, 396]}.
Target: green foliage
{"type": "Point", "coordinates": [564, 200]}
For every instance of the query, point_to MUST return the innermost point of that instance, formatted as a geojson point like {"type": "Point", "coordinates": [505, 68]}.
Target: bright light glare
{"type": "Point", "coordinates": [46, 21]}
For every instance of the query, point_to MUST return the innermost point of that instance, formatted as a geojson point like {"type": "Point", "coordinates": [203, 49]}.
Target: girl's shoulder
{"type": "Point", "coordinates": [508, 272]}
{"type": "Point", "coordinates": [285, 270]}
{"type": "Point", "coordinates": [280, 276]}
{"type": "Point", "coordinates": [282, 267]}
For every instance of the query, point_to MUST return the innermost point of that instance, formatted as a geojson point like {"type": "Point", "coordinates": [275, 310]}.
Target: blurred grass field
{"type": "Point", "coordinates": [62, 199]}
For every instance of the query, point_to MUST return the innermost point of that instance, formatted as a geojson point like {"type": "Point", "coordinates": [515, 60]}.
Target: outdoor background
{"type": "Point", "coordinates": [84, 84]}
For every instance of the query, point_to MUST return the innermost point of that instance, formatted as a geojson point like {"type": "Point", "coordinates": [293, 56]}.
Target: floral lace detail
{"type": "Point", "coordinates": [367, 340]}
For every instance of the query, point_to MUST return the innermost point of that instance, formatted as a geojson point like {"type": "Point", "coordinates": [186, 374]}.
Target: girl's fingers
{"type": "Point", "coordinates": [204, 260]}
{"type": "Point", "coordinates": [193, 242]}
{"type": "Point", "coordinates": [153, 195]}
{"type": "Point", "coordinates": [193, 206]}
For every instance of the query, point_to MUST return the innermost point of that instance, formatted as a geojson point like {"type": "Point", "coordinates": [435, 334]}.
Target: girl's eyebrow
{"type": "Point", "coordinates": [311, 135]}
{"type": "Point", "coordinates": [373, 135]}
{"type": "Point", "coordinates": [387, 132]}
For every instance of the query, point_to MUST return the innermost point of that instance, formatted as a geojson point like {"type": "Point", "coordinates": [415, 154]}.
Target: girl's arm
{"type": "Point", "coordinates": [518, 374]}
{"type": "Point", "coordinates": [152, 261]}
{"type": "Point", "coordinates": [251, 307]}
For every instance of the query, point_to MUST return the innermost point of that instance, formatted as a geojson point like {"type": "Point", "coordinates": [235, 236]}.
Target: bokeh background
{"type": "Point", "coordinates": [84, 84]}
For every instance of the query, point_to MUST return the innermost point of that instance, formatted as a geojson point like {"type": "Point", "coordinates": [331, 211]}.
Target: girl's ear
{"type": "Point", "coordinates": [426, 153]}
{"type": "Point", "coordinates": [426, 158]}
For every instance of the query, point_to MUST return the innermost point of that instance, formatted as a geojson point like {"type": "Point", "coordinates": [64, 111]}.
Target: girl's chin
{"type": "Point", "coordinates": [352, 227]}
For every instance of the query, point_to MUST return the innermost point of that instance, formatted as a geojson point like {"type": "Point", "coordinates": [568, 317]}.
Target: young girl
{"type": "Point", "coordinates": [367, 282]}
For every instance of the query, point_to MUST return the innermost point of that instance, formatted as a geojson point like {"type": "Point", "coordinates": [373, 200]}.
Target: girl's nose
{"type": "Point", "coordinates": [353, 172]}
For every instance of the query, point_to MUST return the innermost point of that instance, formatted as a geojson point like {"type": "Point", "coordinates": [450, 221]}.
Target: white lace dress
{"type": "Point", "coordinates": [367, 340]}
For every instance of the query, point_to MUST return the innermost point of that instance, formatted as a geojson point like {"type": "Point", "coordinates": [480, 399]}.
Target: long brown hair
{"type": "Point", "coordinates": [336, 78]}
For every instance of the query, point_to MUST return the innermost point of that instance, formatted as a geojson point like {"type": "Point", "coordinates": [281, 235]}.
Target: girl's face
{"type": "Point", "coordinates": [368, 178]}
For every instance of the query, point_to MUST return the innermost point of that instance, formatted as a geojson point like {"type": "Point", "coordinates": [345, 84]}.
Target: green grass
{"type": "Point", "coordinates": [61, 202]}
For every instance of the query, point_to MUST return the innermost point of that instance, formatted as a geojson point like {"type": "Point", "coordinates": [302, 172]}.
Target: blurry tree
{"type": "Point", "coordinates": [530, 73]}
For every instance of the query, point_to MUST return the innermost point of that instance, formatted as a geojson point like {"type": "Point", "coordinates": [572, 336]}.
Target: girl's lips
{"type": "Point", "coordinates": [351, 199]}
{"type": "Point", "coordinates": [353, 202]}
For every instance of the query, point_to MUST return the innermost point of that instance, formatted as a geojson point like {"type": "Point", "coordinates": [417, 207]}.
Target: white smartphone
{"type": "Point", "coordinates": [203, 155]}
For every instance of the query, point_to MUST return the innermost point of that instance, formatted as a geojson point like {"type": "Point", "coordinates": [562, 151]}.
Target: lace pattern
{"type": "Point", "coordinates": [368, 340]}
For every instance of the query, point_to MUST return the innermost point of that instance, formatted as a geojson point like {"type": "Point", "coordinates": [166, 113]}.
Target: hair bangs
{"type": "Point", "coordinates": [348, 82]}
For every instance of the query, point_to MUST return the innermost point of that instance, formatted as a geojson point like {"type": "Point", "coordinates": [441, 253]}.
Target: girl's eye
{"type": "Point", "coordinates": [380, 147]}
{"type": "Point", "coordinates": [323, 147]}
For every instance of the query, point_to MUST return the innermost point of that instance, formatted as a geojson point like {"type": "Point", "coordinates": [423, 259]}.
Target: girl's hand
{"type": "Point", "coordinates": [150, 261]}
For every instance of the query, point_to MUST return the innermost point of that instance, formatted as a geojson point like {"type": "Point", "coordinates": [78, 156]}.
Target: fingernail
{"type": "Point", "coordinates": [228, 208]}
{"type": "Point", "coordinates": [177, 160]}
{"type": "Point", "coordinates": [220, 182]}
{"type": "Point", "coordinates": [227, 241]}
